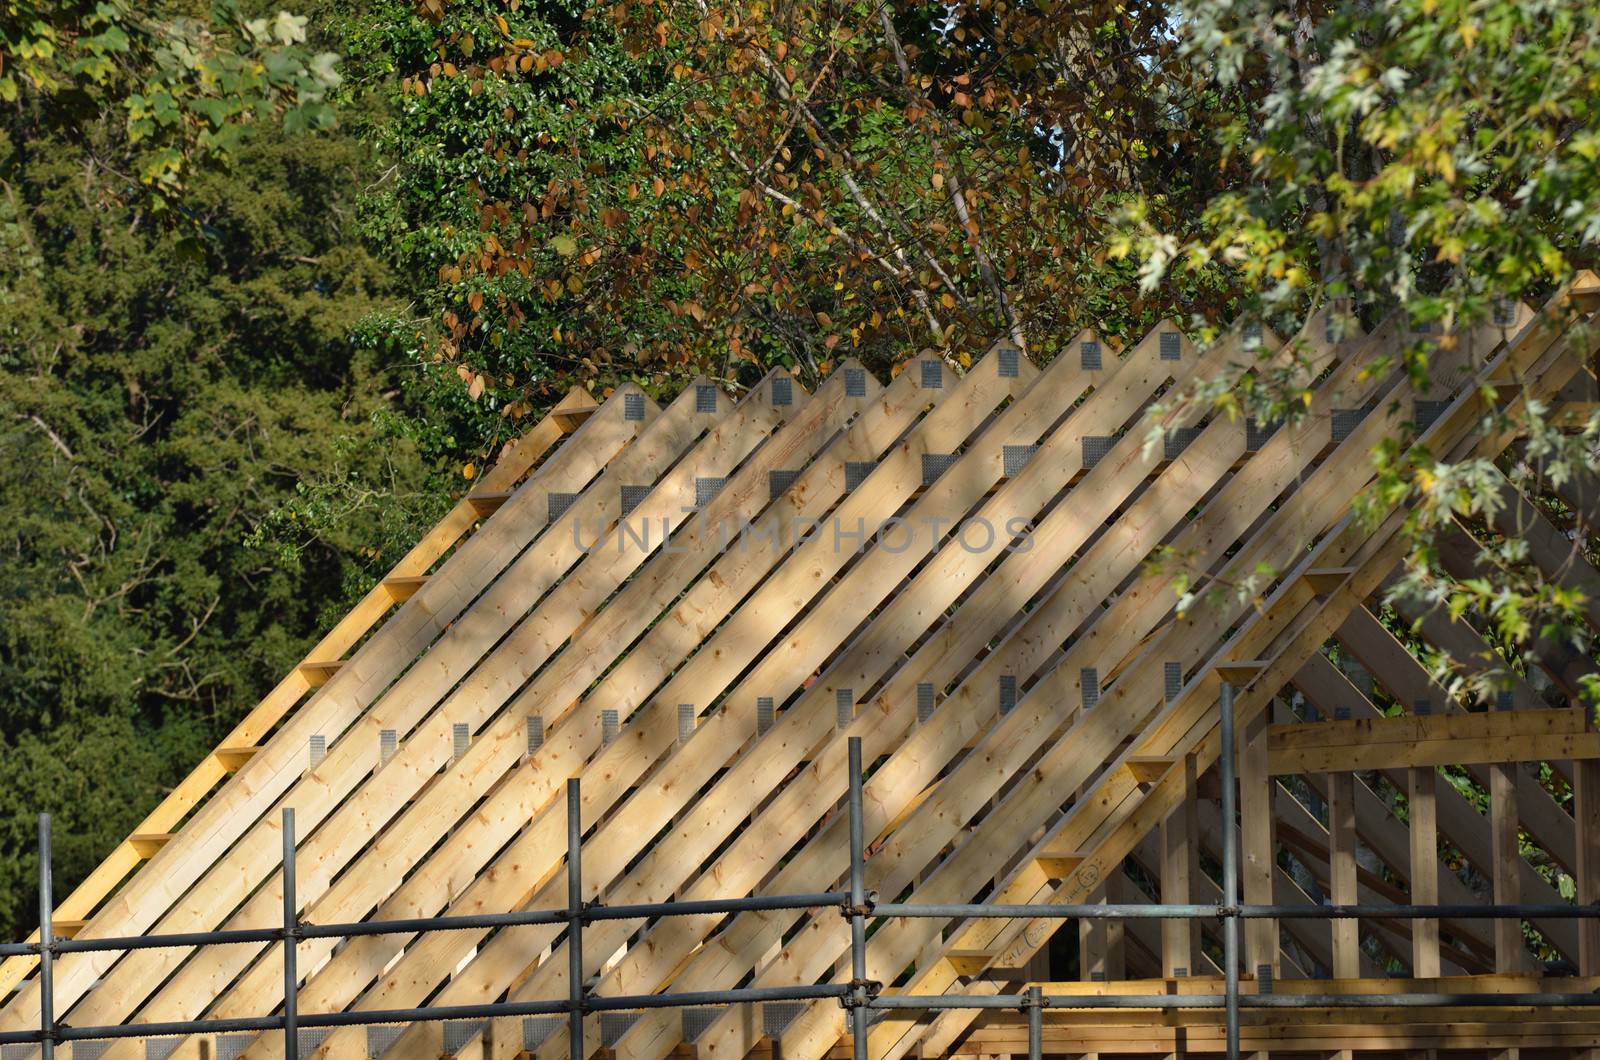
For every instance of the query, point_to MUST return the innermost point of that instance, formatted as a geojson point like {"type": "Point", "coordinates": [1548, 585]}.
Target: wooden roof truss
{"type": "Point", "coordinates": [1040, 723]}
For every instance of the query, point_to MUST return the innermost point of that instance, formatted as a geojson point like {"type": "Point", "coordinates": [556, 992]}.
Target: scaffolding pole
{"type": "Point", "coordinates": [859, 994]}
{"type": "Point", "coordinates": [575, 993]}
{"type": "Point", "coordinates": [47, 915]}
{"type": "Point", "coordinates": [1230, 875]}
{"type": "Point", "coordinates": [291, 971]}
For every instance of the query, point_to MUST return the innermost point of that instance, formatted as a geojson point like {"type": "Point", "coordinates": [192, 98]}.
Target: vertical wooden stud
{"type": "Point", "coordinates": [1092, 943]}
{"type": "Point", "coordinates": [1424, 868]}
{"type": "Point", "coordinates": [1507, 856]}
{"type": "Point", "coordinates": [1116, 934]}
{"type": "Point", "coordinates": [1586, 803]}
{"type": "Point", "coordinates": [1179, 834]}
{"type": "Point", "coordinates": [1258, 836]}
{"type": "Point", "coordinates": [1342, 872]}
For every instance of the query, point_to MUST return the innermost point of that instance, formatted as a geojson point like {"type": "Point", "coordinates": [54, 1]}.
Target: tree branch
{"type": "Point", "coordinates": [901, 272]}
{"type": "Point", "coordinates": [820, 134]}
{"type": "Point", "coordinates": [958, 198]}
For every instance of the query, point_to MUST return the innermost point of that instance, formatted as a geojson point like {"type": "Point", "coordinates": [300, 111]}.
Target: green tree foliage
{"type": "Point", "coordinates": [182, 377]}
{"type": "Point", "coordinates": [186, 88]}
{"type": "Point", "coordinates": [1431, 157]}
{"type": "Point", "coordinates": [648, 190]}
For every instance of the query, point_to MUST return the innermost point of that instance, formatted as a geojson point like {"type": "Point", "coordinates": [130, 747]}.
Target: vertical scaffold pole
{"type": "Point", "coordinates": [858, 901]}
{"type": "Point", "coordinates": [575, 919]}
{"type": "Point", "coordinates": [1230, 875]}
{"type": "Point", "coordinates": [1035, 1023]}
{"type": "Point", "coordinates": [47, 942]}
{"type": "Point", "coordinates": [291, 931]}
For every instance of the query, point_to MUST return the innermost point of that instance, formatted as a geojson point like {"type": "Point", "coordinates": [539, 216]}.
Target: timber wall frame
{"type": "Point", "coordinates": [1039, 725]}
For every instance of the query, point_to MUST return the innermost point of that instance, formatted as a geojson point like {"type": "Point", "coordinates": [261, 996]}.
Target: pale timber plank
{"type": "Point", "coordinates": [1180, 868]}
{"type": "Point", "coordinates": [1342, 873]}
{"type": "Point", "coordinates": [547, 837]}
{"type": "Point", "coordinates": [1586, 798]}
{"type": "Point", "coordinates": [500, 747]}
{"type": "Point", "coordinates": [1423, 821]}
{"type": "Point", "coordinates": [1396, 751]}
{"type": "Point", "coordinates": [493, 684]}
{"type": "Point", "coordinates": [1510, 951]}
{"type": "Point", "coordinates": [892, 703]}
{"type": "Point", "coordinates": [1088, 565]}
{"type": "Point", "coordinates": [1258, 847]}
{"type": "Point", "coordinates": [228, 877]}
{"type": "Point", "coordinates": [783, 668]}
